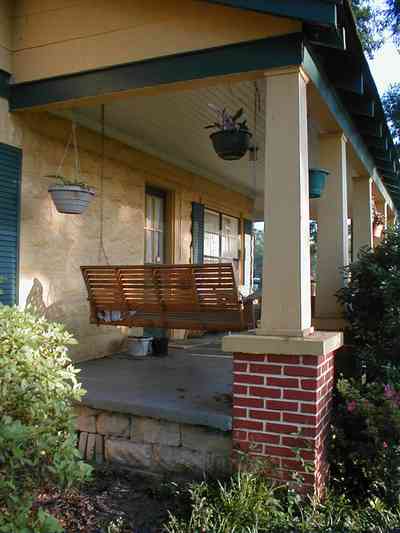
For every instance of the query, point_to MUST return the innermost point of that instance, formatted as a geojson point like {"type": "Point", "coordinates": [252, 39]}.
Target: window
{"type": "Point", "coordinates": [221, 238]}
{"type": "Point", "coordinates": [154, 228]}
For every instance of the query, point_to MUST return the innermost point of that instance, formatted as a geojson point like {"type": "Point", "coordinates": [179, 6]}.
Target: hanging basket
{"type": "Point", "coordinates": [71, 199]}
{"type": "Point", "coordinates": [231, 145]}
{"type": "Point", "coordinates": [317, 181]}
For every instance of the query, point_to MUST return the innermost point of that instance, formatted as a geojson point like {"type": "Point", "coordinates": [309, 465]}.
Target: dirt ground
{"type": "Point", "coordinates": [116, 501]}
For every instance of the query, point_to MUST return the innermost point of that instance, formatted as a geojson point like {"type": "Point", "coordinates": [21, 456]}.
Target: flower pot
{"type": "Point", "coordinates": [160, 346]}
{"type": "Point", "coordinates": [139, 346]}
{"type": "Point", "coordinates": [71, 199]}
{"type": "Point", "coordinates": [378, 229]}
{"type": "Point", "coordinates": [317, 180]}
{"type": "Point", "coordinates": [231, 144]}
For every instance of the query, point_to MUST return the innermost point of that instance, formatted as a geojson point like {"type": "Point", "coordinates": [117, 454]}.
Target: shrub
{"type": "Point", "coordinates": [365, 441]}
{"type": "Point", "coordinates": [371, 302]}
{"type": "Point", "coordinates": [37, 444]}
{"type": "Point", "coordinates": [248, 503]}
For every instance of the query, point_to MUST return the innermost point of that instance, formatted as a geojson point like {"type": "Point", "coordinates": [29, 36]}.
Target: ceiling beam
{"type": "Point", "coordinates": [329, 94]}
{"type": "Point", "coordinates": [385, 166]}
{"type": "Point", "coordinates": [323, 12]}
{"type": "Point", "coordinates": [359, 105]}
{"type": "Point", "coordinates": [327, 37]}
{"type": "Point", "coordinates": [380, 153]}
{"type": "Point", "coordinates": [376, 142]}
{"type": "Point", "coordinates": [369, 126]}
{"type": "Point", "coordinates": [350, 80]}
{"type": "Point", "coordinates": [236, 59]}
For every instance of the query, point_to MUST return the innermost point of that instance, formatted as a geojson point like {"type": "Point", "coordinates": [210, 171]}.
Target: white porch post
{"type": "Point", "coordinates": [285, 343]}
{"type": "Point", "coordinates": [386, 214]}
{"type": "Point", "coordinates": [362, 214]}
{"type": "Point", "coordinates": [332, 229]}
{"type": "Point", "coordinates": [286, 308]}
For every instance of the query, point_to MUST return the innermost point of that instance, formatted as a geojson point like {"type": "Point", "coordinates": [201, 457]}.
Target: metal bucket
{"type": "Point", "coordinates": [139, 346]}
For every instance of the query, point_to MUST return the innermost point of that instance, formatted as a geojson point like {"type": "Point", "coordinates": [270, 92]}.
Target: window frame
{"type": "Point", "coordinates": [220, 258]}
{"type": "Point", "coordinates": [160, 193]}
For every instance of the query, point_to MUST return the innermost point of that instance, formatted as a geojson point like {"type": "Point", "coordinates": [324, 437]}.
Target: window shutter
{"type": "Point", "coordinates": [10, 180]}
{"type": "Point", "coordinates": [248, 226]}
{"type": "Point", "coordinates": [197, 233]}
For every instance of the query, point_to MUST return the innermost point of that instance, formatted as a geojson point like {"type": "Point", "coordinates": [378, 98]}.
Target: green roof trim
{"type": "Point", "coordinates": [323, 12]}
{"type": "Point", "coordinates": [250, 56]}
{"type": "Point", "coordinates": [337, 108]}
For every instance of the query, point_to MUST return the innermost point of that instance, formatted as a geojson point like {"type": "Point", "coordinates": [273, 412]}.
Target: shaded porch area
{"type": "Point", "coordinates": [169, 416]}
{"type": "Point", "coordinates": [193, 385]}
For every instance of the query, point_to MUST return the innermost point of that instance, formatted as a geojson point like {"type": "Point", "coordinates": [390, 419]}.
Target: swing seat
{"type": "Point", "coordinates": [193, 297]}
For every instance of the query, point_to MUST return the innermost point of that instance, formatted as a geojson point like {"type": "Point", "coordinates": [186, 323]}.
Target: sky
{"type": "Point", "coordinates": [385, 66]}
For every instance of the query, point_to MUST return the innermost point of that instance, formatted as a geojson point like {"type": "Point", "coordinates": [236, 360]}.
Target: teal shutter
{"type": "Point", "coordinates": [248, 227]}
{"type": "Point", "coordinates": [197, 233]}
{"type": "Point", "coordinates": [10, 183]}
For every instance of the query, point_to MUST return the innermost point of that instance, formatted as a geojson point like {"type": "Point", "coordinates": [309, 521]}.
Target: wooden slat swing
{"type": "Point", "coordinates": [193, 297]}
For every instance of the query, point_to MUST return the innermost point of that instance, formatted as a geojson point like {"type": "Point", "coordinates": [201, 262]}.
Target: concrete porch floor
{"type": "Point", "coordinates": [192, 385]}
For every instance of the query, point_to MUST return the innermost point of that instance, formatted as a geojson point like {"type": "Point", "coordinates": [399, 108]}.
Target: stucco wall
{"type": "Point", "coordinates": [54, 246]}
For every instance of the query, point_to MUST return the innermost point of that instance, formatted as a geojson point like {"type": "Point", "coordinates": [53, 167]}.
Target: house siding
{"type": "Point", "coordinates": [62, 37]}
{"type": "Point", "coordinates": [54, 246]}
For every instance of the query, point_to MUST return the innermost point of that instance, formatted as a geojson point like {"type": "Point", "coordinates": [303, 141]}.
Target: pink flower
{"type": "Point", "coordinates": [385, 444]}
{"type": "Point", "coordinates": [389, 391]}
{"type": "Point", "coordinates": [351, 406]}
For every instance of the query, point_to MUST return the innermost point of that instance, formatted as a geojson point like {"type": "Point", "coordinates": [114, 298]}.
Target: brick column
{"type": "Point", "coordinates": [281, 411]}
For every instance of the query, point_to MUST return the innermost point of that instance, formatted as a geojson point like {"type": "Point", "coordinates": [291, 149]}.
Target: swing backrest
{"type": "Point", "coordinates": [172, 296]}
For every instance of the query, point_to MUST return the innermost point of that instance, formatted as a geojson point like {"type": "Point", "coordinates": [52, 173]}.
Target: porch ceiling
{"type": "Point", "coordinates": [171, 126]}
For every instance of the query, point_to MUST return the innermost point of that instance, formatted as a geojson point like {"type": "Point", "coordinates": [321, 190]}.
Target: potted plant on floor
{"type": "Point", "coordinates": [378, 223]}
{"type": "Point", "coordinates": [70, 196]}
{"type": "Point", "coordinates": [231, 141]}
{"type": "Point", "coordinates": [317, 181]}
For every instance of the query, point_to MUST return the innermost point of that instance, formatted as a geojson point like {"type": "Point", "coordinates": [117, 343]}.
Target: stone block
{"type": "Point", "coordinates": [115, 424]}
{"type": "Point", "coordinates": [82, 410]}
{"type": "Point", "coordinates": [99, 449]}
{"type": "Point", "coordinates": [155, 431]}
{"type": "Point", "coordinates": [82, 443]}
{"type": "Point", "coordinates": [218, 465]}
{"type": "Point", "coordinates": [128, 453]}
{"type": "Point", "coordinates": [179, 459]}
{"type": "Point", "coordinates": [86, 423]}
{"type": "Point", "coordinates": [206, 440]}
{"type": "Point", "coordinates": [90, 447]}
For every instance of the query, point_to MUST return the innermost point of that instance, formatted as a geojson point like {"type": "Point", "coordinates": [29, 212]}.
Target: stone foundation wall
{"type": "Point", "coordinates": [150, 444]}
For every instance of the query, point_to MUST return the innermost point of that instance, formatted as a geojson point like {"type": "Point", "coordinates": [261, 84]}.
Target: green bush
{"type": "Point", "coordinates": [371, 303]}
{"type": "Point", "coordinates": [37, 443]}
{"type": "Point", "coordinates": [365, 441]}
{"type": "Point", "coordinates": [248, 503]}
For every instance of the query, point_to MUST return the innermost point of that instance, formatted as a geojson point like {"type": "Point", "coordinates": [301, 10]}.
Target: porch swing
{"type": "Point", "coordinates": [185, 296]}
